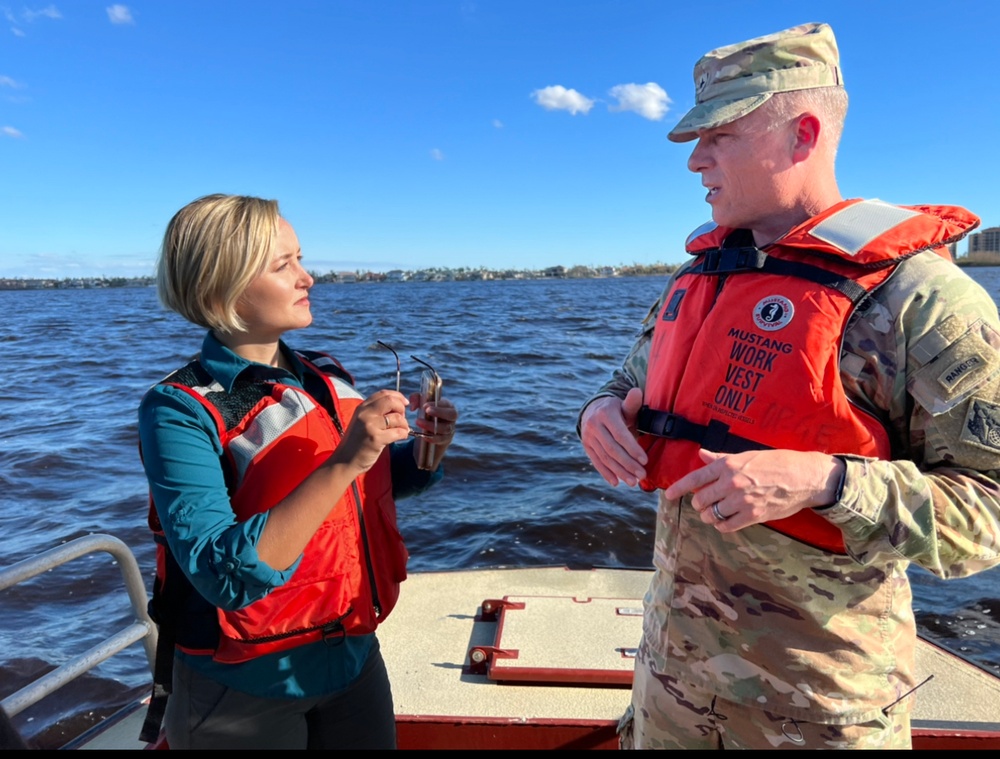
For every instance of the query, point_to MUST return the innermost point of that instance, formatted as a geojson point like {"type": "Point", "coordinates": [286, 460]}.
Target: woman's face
{"type": "Point", "coordinates": [278, 299]}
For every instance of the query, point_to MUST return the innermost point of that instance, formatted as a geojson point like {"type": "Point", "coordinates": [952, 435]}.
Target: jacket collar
{"type": "Point", "coordinates": [226, 366]}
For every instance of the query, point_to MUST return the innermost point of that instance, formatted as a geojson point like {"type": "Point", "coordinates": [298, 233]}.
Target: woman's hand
{"type": "Point", "coordinates": [377, 422]}
{"type": "Point", "coordinates": [436, 423]}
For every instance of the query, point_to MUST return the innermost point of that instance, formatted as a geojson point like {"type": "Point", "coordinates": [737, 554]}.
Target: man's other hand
{"type": "Point", "coordinates": [607, 430]}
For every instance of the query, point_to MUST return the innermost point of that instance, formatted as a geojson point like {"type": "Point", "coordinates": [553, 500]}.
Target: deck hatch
{"type": "Point", "coordinates": [561, 640]}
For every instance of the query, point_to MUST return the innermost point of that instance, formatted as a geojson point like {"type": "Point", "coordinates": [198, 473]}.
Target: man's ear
{"type": "Point", "coordinates": [806, 137]}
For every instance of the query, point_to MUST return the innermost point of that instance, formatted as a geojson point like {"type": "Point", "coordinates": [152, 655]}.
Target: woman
{"type": "Point", "coordinates": [272, 486]}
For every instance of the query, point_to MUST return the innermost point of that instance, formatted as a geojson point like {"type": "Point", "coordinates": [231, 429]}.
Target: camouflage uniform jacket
{"type": "Point", "coordinates": [761, 619]}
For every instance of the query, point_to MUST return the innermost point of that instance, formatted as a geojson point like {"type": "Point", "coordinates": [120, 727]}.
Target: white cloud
{"type": "Point", "coordinates": [9, 131]}
{"type": "Point", "coordinates": [6, 81]}
{"type": "Point", "coordinates": [648, 100]}
{"type": "Point", "coordinates": [558, 98]}
{"type": "Point", "coordinates": [437, 155]}
{"type": "Point", "coordinates": [28, 16]}
{"type": "Point", "coordinates": [497, 123]}
{"type": "Point", "coordinates": [48, 12]}
{"type": "Point", "coordinates": [119, 14]}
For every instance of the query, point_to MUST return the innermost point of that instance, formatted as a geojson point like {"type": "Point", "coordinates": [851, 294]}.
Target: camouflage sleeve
{"type": "Point", "coordinates": [632, 372]}
{"type": "Point", "coordinates": [925, 358]}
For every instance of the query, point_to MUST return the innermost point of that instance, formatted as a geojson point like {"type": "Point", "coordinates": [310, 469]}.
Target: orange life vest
{"type": "Point", "coordinates": [273, 437]}
{"type": "Point", "coordinates": [745, 353]}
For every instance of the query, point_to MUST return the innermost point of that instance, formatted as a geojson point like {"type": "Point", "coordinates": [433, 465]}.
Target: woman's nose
{"type": "Point", "coordinates": [305, 277]}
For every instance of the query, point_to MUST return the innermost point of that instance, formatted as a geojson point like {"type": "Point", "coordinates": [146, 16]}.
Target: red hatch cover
{"type": "Point", "coordinates": [561, 640]}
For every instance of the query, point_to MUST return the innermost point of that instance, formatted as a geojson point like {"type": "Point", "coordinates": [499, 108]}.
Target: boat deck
{"type": "Point", "coordinates": [576, 627]}
{"type": "Point", "coordinates": [556, 651]}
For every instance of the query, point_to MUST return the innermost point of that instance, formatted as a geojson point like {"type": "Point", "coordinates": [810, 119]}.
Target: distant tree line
{"type": "Point", "coordinates": [424, 275]}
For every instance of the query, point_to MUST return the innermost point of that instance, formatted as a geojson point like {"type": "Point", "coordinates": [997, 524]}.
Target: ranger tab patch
{"type": "Point", "coordinates": [982, 425]}
{"type": "Point", "coordinates": [960, 370]}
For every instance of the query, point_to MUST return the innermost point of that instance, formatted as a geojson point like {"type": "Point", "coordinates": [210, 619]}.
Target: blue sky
{"type": "Point", "coordinates": [416, 133]}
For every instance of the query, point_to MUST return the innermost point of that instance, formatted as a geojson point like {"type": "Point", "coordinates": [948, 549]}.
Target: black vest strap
{"type": "Point", "coordinates": [744, 259]}
{"type": "Point", "coordinates": [713, 436]}
{"type": "Point", "coordinates": [164, 610]}
{"type": "Point", "coordinates": [730, 260]}
{"type": "Point", "coordinates": [154, 712]}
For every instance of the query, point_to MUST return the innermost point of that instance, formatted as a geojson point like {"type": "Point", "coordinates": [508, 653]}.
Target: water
{"type": "Point", "coordinates": [517, 358]}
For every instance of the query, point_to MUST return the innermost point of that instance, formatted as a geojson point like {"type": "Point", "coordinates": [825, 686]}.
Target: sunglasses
{"type": "Point", "coordinates": [433, 381]}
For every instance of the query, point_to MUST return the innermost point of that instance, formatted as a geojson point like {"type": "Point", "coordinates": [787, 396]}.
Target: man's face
{"type": "Point", "coordinates": [745, 167]}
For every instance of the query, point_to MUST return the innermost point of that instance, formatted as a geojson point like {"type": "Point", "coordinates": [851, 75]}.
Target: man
{"type": "Point", "coordinates": [816, 396]}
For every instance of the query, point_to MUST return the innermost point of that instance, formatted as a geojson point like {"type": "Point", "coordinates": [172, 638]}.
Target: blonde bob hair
{"type": "Point", "coordinates": [214, 247]}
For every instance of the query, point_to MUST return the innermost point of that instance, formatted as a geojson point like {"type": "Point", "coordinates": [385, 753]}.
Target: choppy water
{"type": "Point", "coordinates": [517, 357]}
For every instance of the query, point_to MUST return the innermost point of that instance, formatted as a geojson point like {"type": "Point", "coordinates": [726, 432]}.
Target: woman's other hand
{"type": "Point", "coordinates": [436, 423]}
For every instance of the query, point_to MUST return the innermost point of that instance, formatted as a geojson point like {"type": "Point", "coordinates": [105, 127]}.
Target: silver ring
{"type": "Point", "coordinates": [717, 513]}
{"type": "Point", "coordinates": [385, 418]}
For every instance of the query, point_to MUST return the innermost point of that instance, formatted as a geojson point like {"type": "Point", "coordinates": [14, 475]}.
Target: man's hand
{"type": "Point", "coordinates": [758, 486]}
{"type": "Point", "coordinates": [607, 430]}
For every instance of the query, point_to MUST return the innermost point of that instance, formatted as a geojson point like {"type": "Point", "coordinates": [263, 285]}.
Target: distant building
{"type": "Point", "coordinates": [984, 245]}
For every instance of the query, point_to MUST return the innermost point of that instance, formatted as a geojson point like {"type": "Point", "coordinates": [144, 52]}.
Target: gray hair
{"type": "Point", "coordinates": [828, 103]}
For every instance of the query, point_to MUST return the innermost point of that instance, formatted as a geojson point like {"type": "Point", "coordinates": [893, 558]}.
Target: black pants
{"type": "Point", "coordinates": [204, 714]}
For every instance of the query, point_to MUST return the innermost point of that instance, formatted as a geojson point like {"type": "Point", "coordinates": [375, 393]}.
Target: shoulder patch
{"type": "Point", "coordinates": [952, 362]}
{"type": "Point", "coordinates": [982, 425]}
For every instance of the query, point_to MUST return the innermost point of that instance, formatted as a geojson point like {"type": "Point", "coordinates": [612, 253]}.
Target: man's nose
{"type": "Point", "coordinates": [698, 160]}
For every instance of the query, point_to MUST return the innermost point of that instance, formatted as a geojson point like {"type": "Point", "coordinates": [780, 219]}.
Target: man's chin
{"type": "Point", "coordinates": [722, 219]}
{"type": "Point", "coordinates": [729, 220]}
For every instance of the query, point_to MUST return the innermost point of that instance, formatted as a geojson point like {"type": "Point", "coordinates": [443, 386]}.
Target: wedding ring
{"type": "Point", "coordinates": [717, 513]}
{"type": "Point", "coordinates": [385, 418]}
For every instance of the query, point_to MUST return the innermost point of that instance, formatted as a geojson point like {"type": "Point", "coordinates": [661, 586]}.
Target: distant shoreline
{"type": "Point", "coordinates": [361, 277]}
{"type": "Point", "coordinates": [427, 275]}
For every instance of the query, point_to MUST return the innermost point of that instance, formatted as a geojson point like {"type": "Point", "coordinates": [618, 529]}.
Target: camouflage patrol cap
{"type": "Point", "coordinates": [731, 81]}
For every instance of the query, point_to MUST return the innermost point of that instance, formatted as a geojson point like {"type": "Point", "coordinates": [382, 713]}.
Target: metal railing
{"type": "Point", "coordinates": [143, 628]}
